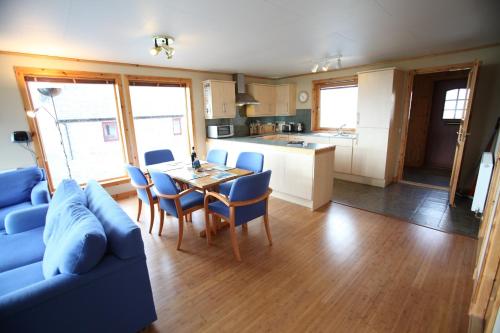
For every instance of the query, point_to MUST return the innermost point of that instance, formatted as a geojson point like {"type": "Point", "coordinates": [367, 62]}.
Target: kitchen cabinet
{"type": "Point", "coordinates": [376, 98]}
{"type": "Point", "coordinates": [369, 153]}
{"type": "Point", "coordinates": [285, 100]}
{"type": "Point", "coordinates": [219, 99]}
{"type": "Point", "coordinates": [273, 99]}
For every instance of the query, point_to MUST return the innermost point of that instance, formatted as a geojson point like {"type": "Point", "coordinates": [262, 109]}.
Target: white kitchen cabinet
{"type": "Point", "coordinates": [219, 99]}
{"type": "Point", "coordinates": [376, 97]}
{"type": "Point", "coordinates": [369, 153]}
{"type": "Point", "coordinates": [273, 100]}
{"type": "Point", "coordinates": [343, 159]}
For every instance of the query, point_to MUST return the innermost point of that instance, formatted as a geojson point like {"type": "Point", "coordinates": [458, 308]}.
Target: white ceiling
{"type": "Point", "coordinates": [262, 37]}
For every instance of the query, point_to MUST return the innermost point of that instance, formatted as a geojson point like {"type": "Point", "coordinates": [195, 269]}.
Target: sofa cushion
{"type": "Point", "coordinates": [77, 243]}
{"type": "Point", "coordinates": [67, 192]}
{"type": "Point", "coordinates": [6, 210]}
{"type": "Point", "coordinates": [20, 277]}
{"type": "Point", "coordinates": [17, 185]}
{"type": "Point", "coordinates": [21, 249]}
{"type": "Point", "coordinates": [123, 235]}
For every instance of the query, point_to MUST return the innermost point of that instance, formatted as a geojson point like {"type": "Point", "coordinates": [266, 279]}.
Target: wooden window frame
{"type": "Point", "coordinates": [160, 81]}
{"type": "Point", "coordinates": [338, 82]}
{"type": "Point", "coordinates": [41, 159]}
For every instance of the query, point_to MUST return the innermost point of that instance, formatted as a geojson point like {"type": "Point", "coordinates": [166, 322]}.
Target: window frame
{"type": "Point", "coordinates": [24, 72]}
{"type": "Point", "coordinates": [147, 80]}
{"type": "Point", "coordinates": [338, 82]}
{"type": "Point", "coordinates": [455, 120]}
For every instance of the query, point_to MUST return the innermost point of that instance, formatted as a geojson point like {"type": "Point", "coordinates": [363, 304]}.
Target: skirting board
{"type": "Point", "coordinates": [361, 180]}
{"type": "Point", "coordinates": [292, 199]}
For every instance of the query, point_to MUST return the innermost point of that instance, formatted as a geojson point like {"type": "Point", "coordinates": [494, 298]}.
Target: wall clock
{"type": "Point", "coordinates": [303, 96]}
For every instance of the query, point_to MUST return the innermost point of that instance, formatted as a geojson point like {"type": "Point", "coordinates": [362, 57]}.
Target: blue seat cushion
{"type": "Point", "coordinates": [68, 191]}
{"type": "Point", "coordinates": [225, 188]}
{"type": "Point", "coordinates": [123, 235]}
{"type": "Point", "coordinates": [6, 210]}
{"type": "Point", "coordinates": [77, 243]}
{"type": "Point", "coordinates": [21, 249]}
{"type": "Point", "coordinates": [243, 214]}
{"type": "Point", "coordinates": [20, 277]}
{"type": "Point", "coordinates": [17, 185]}
{"type": "Point", "coordinates": [187, 201]}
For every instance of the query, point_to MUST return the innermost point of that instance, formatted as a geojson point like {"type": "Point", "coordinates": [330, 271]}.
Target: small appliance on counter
{"type": "Point", "coordinates": [286, 128]}
{"type": "Point", "coordinates": [220, 131]}
{"type": "Point", "coordinates": [300, 128]}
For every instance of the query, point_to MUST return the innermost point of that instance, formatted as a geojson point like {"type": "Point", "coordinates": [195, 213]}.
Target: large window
{"type": "Point", "coordinates": [454, 104]}
{"type": "Point", "coordinates": [337, 103]}
{"type": "Point", "coordinates": [78, 127]}
{"type": "Point", "coordinates": [160, 113]}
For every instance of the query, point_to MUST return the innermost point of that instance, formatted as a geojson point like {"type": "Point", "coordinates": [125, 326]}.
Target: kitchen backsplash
{"type": "Point", "coordinates": [241, 121]}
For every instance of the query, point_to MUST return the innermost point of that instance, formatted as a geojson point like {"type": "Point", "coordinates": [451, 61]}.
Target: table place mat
{"type": "Point", "coordinates": [187, 174]}
{"type": "Point", "coordinates": [222, 167]}
{"type": "Point", "coordinates": [222, 175]}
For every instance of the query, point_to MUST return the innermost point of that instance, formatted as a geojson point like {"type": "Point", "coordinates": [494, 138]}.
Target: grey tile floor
{"type": "Point", "coordinates": [427, 176]}
{"type": "Point", "coordinates": [419, 205]}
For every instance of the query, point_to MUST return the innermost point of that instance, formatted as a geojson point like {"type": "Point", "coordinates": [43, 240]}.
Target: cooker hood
{"type": "Point", "coordinates": [242, 97]}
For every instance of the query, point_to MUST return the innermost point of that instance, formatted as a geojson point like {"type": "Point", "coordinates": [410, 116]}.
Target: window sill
{"type": "Point", "coordinates": [112, 182]}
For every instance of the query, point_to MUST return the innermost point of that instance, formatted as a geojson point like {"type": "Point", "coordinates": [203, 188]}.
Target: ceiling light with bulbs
{"type": "Point", "coordinates": [163, 43]}
{"type": "Point", "coordinates": [326, 63]}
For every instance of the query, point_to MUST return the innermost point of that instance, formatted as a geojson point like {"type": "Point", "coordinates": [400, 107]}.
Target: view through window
{"type": "Point", "coordinates": [454, 104]}
{"type": "Point", "coordinates": [160, 118]}
{"type": "Point", "coordinates": [338, 107]}
{"type": "Point", "coordinates": [86, 112]}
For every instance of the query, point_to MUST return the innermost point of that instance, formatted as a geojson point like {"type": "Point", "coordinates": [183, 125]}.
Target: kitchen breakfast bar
{"type": "Point", "coordinates": [301, 173]}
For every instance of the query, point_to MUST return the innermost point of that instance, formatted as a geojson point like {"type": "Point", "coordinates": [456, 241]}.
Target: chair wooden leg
{"type": "Point", "coordinates": [139, 209]}
{"type": "Point", "coordinates": [268, 230]}
{"type": "Point", "coordinates": [234, 241]}
{"type": "Point", "coordinates": [181, 231]}
{"type": "Point", "coordinates": [162, 217]}
{"type": "Point", "coordinates": [208, 227]}
{"type": "Point", "coordinates": [152, 218]}
{"type": "Point", "coordinates": [244, 226]}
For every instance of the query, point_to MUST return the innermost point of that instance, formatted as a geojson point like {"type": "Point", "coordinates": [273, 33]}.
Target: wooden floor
{"type": "Point", "coordinates": [336, 270]}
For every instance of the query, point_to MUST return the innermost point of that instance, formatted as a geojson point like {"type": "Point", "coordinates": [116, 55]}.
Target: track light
{"type": "Point", "coordinates": [163, 43]}
{"type": "Point", "coordinates": [314, 68]}
{"type": "Point", "coordinates": [326, 63]}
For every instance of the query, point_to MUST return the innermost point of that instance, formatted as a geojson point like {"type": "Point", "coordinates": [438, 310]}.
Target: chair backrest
{"type": "Point", "coordinates": [136, 175]}
{"type": "Point", "coordinates": [164, 183]}
{"type": "Point", "coordinates": [158, 156]}
{"type": "Point", "coordinates": [250, 187]}
{"type": "Point", "coordinates": [218, 156]}
{"type": "Point", "coordinates": [250, 161]}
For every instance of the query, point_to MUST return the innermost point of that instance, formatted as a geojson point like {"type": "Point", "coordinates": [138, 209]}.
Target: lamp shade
{"type": "Point", "coordinates": [52, 92]}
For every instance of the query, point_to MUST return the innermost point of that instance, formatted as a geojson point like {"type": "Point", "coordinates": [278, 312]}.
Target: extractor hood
{"type": "Point", "coordinates": [242, 97]}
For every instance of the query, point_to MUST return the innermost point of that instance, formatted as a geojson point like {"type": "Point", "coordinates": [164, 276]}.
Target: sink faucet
{"type": "Point", "coordinates": [340, 129]}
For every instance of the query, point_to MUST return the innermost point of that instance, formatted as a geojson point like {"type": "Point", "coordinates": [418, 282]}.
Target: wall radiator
{"type": "Point", "coordinates": [483, 183]}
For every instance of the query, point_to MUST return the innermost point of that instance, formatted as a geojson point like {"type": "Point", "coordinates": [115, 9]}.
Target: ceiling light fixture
{"type": "Point", "coordinates": [326, 63]}
{"type": "Point", "coordinates": [163, 43]}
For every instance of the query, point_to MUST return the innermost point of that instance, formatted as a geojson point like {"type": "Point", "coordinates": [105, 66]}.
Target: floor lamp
{"type": "Point", "coordinates": [53, 92]}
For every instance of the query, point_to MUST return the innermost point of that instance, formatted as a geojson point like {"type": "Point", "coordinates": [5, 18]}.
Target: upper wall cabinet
{"type": "Point", "coordinates": [273, 99]}
{"type": "Point", "coordinates": [219, 99]}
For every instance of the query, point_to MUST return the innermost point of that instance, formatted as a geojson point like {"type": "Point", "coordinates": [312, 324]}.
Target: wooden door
{"type": "Point", "coordinates": [462, 132]}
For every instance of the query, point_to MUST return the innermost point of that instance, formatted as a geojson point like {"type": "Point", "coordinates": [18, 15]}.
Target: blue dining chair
{"type": "Point", "coordinates": [247, 201]}
{"type": "Point", "coordinates": [144, 193]}
{"type": "Point", "coordinates": [217, 156]}
{"type": "Point", "coordinates": [174, 202]}
{"type": "Point", "coordinates": [248, 161]}
{"type": "Point", "coordinates": [158, 156]}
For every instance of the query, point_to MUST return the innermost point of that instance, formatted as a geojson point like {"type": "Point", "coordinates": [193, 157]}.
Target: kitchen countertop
{"type": "Point", "coordinates": [317, 147]}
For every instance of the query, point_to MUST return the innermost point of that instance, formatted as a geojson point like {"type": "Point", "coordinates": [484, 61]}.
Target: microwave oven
{"type": "Point", "coordinates": [220, 131]}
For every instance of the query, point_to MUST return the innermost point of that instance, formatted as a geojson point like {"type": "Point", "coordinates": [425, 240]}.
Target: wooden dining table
{"type": "Point", "coordinates": [206, 178]}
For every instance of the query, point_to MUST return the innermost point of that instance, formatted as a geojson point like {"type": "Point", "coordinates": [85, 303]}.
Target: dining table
{"type": "Point", "coordinates": [206, 178]}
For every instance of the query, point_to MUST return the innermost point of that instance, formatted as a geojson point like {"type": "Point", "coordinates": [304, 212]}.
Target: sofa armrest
{"type": "Point", "coordinates": [40, 193]}
{"type": "Point", "coordinates": [115, 296]}
{"type": "Point", "coordinates": [26, 219]}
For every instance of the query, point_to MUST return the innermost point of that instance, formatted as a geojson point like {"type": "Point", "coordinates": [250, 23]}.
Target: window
{"type": "Point", "coordinates": [80, 125]}
{"type": "Point", "coordinates": [337, 102]}
{"type": "Point", "coordinates": [160, 113]}
{"type": "Point", "coordinates": [454, 104]}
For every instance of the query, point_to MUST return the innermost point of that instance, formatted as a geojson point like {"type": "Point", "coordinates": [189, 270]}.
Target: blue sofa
{"type": "Point", "coordinates": [74, 265]}
{"type": "Point", "coordinates": [20, 189]}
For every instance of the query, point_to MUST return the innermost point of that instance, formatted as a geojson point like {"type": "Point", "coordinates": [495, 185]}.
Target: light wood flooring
{"type": "Point", "coordinates": [339, 269]}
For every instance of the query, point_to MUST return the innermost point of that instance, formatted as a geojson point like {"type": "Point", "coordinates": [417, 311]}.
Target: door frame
{"type": "Point", "coordinates": [472, 66]}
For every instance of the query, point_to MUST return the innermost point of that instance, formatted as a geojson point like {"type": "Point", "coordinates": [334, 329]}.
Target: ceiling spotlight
{"type": "Point", "coordinates": [163, 43]}
{"type": "Point", "coordinates": [314, 68]}
{"type": "Point", "coordinates": [325, 66]}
